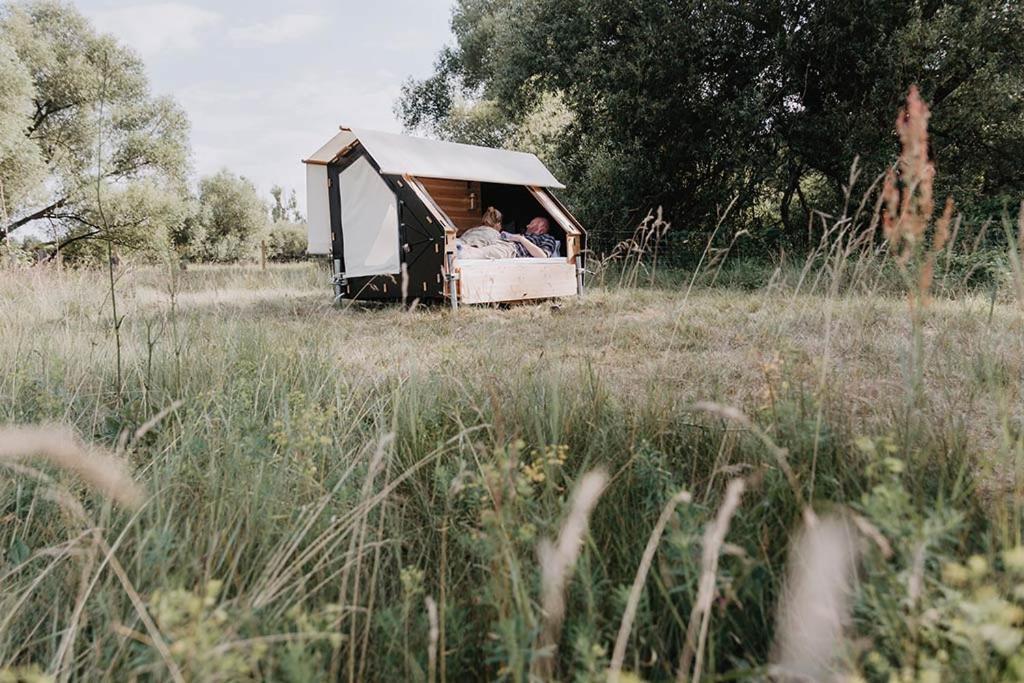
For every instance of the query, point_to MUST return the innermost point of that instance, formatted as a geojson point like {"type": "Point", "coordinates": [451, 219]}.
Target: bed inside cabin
{"type": "Point", "coordinates": [482, 280]}
{"type": "Point", "coordinates": [464, 202]}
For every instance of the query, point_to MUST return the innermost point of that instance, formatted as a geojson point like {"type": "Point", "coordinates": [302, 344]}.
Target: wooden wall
{"type": "Point", "coordinates": [454, 198]}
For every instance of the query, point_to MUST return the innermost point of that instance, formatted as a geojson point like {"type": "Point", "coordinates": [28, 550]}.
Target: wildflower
{"type": "Point", "coordinates": [1014, 559]}
{"type": "Point", "coordinates": [978, 566]}
{"type": "Point", "coordinates": [412, 580]}
{"type": "Point", "coordinates": [629, 677]}
{"type": "Point", "coordinates": [213, 588]}
{"type": "Point", "coordinates": [527, 532]}
{"type": "Point", "coordinates": [955, 574]}
{"type": "Point", "coordinates": [865, 445]}
{"type": "Point", "coordinates": [1004, 639]}
{"type": "Point", "coordinates": [894, 465]}
{"type": "Point", "coordinates": [534, 472]}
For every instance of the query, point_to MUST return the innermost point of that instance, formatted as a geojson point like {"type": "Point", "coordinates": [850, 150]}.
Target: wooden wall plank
{"type": "Point", "coordinates": [487, 281]}
{"type": "Point", "coordinates": [460, 199]}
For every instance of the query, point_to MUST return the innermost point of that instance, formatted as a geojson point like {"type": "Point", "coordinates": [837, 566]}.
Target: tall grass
{"type": "Point", "coordinates": [365, 494]}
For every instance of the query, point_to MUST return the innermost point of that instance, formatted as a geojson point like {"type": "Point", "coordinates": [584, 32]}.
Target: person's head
{"type": "Point", "coordinates": [538, 226]}
{"type": "Point", "coordinates": [492, 218]}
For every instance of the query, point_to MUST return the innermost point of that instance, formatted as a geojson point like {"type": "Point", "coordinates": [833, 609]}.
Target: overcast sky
{"type": "Point", "coordinates": [266, 83]}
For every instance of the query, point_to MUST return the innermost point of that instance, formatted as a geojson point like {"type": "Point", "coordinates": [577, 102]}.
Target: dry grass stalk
{"type": "Point", "coordinates": [626, 626]}
{"type": "Point", "coordinates": [907, 196]}
{"type": "Point", "coordinates": [433, 639]}
{"type": "Point", "coordinates": [815, 604]}
{"type": "Point", "coordinates": [71, 505]}
{"type": "Point", "coordinates": [714, 537]}
{"type": "Point", "coordinates": [152, 422]}
{"type": "Point", "coordinates": [631, 253]}
{"type": "Point", "coordinates": [780, 454]}
{"type": "Point", "coordinates": [708, 248]}
{"type": "Point", "coordinates": [1015, 253]}
{"type": "Point", "coordinates": [556, 565]}
{"type": "Point", "coordinates": [908, 193]}
{"type": "Point", "coordinates": [59, 663]}
{"type": "Point", "coordinates": [872, 532]}
{"type": "Point", "coordinates": [374, 468]}
{"type": "Point", "coordinates": [61, 447]}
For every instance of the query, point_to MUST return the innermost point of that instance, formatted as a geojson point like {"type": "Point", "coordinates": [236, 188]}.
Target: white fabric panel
{"type": "Point", "coordinates": [318, 210]}
{"type": "Point", "coordinates": [369, 222]}
{"type": "Point", "coordinates": [401, 154]}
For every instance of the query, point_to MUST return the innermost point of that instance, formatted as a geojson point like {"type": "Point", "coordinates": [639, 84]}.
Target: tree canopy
{"type": "Point", "coordinates": [686, 104]}
{"type": "Point", "coordinates": [232, 214]}
{"type": "Point", "coordinates": [84, 118]}
{"type": "Point", "coordinates": [21, 167]}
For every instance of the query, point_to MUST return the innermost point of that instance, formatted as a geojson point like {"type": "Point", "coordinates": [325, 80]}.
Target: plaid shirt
{"type": "Point", "coordinates": [545, 242]}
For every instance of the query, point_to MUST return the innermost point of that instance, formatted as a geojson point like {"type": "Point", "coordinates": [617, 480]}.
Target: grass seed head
{"type": "Point", "coordinates": [814, 609]}
{"type": "Point", "coordinates": [62, 448]}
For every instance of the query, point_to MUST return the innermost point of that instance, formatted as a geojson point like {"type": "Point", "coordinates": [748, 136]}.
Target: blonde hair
{"type": "Point", "coordinates": [492, 218]}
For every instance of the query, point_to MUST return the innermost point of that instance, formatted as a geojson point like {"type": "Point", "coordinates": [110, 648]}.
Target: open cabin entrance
{"type": "Point", "coordinates": [464, 202]}
{"type": "Point", "coordinates": [461, 204]}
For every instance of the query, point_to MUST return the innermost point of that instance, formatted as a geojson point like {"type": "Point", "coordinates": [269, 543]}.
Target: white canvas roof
{"type": "Point", "coordinates": [326, 154]}
{"type": "Point", "coordinates": [403, 154]}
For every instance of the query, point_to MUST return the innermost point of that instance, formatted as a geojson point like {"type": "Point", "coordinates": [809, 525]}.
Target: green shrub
{"type": "Point", "coordinates": [286, 242]}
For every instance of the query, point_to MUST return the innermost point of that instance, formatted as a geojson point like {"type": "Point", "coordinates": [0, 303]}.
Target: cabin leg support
{"type": "Point", "coordinates": [579, 277]}
{"type": "Point", "coordinates": [338, 279]}
{"type": "Point", "coordinates": [451, 277]}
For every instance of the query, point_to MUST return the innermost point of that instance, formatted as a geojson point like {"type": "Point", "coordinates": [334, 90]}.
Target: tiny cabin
{"type": "Point", "coordinates": [388, 209]}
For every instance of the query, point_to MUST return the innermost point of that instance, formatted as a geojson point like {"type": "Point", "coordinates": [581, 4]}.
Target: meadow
{"type": "Point", "coordinates": [676, 480]}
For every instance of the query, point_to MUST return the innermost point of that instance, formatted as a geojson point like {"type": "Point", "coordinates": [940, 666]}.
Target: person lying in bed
{"type": "Point", "coordinates": [536, 242]}
{"type": "Point", "coordinates": [485, 240]}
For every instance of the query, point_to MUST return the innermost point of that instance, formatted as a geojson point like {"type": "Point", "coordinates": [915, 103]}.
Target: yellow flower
{"type": "Point", "coordinates": [1014, 559]}
{"type": "Point", "coordinates": [865, 445]}
{"type": "Point", "coordinates": [894, 465]}
{"type": "Point", "coordinates": [1011, 614]}
{"type": "Point", "coordinates": [955, 574]}
{"type": "Point", "coordinates": [978, 566]}
{"type": "Point", "coordinates": [1005, 640]}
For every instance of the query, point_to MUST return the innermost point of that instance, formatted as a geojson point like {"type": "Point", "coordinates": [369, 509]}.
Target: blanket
{"type": "Point", "coordinates": [500, 249]}
{"type": "Point", "coordinates": [480, 236]}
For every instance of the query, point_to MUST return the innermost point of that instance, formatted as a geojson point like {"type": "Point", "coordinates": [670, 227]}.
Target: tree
{"type": "Point", "coordinates": [284, 211]}
{"type": "Point", "coordinates": [21, 166]}
{"type": "Point", "coordinates": [685, 104]}
{"type": "Point", "coordinates": [72, 68]}
{"type": "Point", "coordinates": [232, 216]}
{"type": "Point", "coordinates": [286, 242]}
{"type": "Point", "coordinates": [845, 67]}
{"type": "Point", "coordinates": [140, 218]}
{"type": "Point", "coordinates": [665, 101]}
